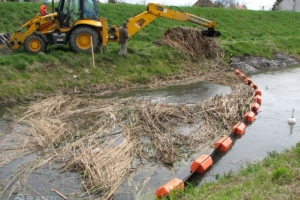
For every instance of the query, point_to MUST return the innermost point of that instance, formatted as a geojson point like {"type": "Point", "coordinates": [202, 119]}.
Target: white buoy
{"type": "Point", "coordinates": [292, 120]}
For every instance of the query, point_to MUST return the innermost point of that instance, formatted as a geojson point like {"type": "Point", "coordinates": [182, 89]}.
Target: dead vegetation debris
{"type": "Point", "coordinates": [189, 41]}
{"type": "Point", "coordinates": [106, 140]}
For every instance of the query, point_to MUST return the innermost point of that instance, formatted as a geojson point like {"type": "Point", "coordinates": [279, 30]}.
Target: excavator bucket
{"type": "Point", "coordinates": [5, 47]}
{"type": "Point", "coordinates": [210, 33]}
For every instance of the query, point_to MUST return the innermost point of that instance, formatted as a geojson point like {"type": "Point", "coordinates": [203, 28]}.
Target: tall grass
{"type": "Point", "coordinates": [258, 33]}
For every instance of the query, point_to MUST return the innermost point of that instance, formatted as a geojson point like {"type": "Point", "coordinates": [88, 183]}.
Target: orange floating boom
{"type": "Point", "coordinates": [237, 72]}
{"type": "Point", "coordinates": [239, 128]}
{"type": "Point", "coordinates": [257, 99]}
{"type": "Point", "coordinates": [201, 164]}
{"type": "Point", "coordinates": [243, 75]}
{"type": "Point", "coordinates": [257, 92]}
{"type": "Point", "coordinates": [253, 85]}
{"type": "Point", "coordinates": [249, 116]}
{"type": "Point", "coordinates": [223, 144]}
{"type": "Point", "coordinates": [247, 80]}
{"type": "Point", "coordinates": [170, 186]}
{"type": "Point", "coordinates": [255, 107]}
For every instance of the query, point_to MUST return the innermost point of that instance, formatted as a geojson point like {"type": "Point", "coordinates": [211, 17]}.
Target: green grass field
{"type": "Point", "coordinates": [257, 33]}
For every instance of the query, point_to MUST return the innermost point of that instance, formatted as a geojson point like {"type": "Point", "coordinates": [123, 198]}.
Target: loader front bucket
{"type": "Point", "coordinates": [210, 33]}
{"type": "Point", "coordinates": [5, 47]}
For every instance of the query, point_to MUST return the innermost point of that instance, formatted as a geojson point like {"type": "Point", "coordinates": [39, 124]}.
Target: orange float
{"type": "Point", "coordinates": [243, 75]}
{"type": "Point", "coordinates": [169, 186]}
{"type": "Point", "coordinates": [239, 128]}
{"type": "Point", "coordinates": [255, 107]}
{"type": "Point", "coordinates": [237, 72]}
{"type": "Point", "coordinates": [223, 144]}
{"type": "Point", "coordinates": [201, 164]}
{"type": "Point", "coordinates": [257, 99]}
{"type": "Point", "coordinates": [249, 116]}
{"type": "Point", "coordinates": [253, 85]}
{"type": "Point", "coordinates": [247, 80]}
{"type": "Point", "coordinates": [257, 92]}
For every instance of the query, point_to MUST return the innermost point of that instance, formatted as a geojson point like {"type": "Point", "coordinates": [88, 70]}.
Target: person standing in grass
{"type": "Point", "coordinates": [123, 34]}
{"type": "Point", "coordinates": [44, 8]}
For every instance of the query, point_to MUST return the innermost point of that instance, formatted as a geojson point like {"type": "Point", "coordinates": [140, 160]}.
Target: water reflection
{"type": "Point", "coordinates": [187, 94]}
{"type": "Point", "coordinates": [291, 128]}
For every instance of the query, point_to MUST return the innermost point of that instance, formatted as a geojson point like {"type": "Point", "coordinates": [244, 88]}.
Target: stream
{"type": "Point", "coordinates": [269, 132]}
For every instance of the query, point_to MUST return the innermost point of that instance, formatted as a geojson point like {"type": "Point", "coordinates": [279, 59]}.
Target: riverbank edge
{"type": "Point", "coordinates": [275, 177]}
{"type": "Point", "coordinates": [246, 64]}
{"type": "Point", "coordinates": [249, 63]}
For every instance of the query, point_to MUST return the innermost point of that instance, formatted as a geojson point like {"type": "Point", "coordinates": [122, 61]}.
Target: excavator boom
{"type": "Point", "coordinates": [139, 21]}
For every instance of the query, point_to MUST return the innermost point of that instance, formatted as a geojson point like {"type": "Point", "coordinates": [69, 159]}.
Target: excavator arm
{"type": "Point", "coordinates": [139, 21]}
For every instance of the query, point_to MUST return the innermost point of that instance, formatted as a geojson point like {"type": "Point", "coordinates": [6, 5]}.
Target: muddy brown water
{"type": "Point", "coordinates": [269, 132]}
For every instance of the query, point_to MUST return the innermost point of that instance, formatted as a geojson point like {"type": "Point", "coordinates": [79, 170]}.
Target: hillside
{"type": "Point", "coordinates": [257, 33]}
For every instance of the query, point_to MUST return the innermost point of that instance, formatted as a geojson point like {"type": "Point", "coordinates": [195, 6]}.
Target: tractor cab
{"type": "Point", "coordinates": [69, 11]}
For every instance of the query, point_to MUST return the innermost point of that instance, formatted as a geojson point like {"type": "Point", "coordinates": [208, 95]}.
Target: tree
{"type": "Point", "coordinates": [275, 5]}
{"type": "Point", "coordinates": [216, 3]}
{"type": "Point", "coordinates": [224, 3]}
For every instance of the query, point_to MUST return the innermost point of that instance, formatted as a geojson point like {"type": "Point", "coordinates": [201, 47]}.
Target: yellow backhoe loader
{"type": "Point", "coordinates": [70, 24]}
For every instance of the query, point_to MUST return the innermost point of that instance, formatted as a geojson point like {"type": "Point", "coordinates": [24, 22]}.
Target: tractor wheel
{"type": "Point", "coordinates": [35, 44]}
{"type": "Point", "coordinates": [80, 39]}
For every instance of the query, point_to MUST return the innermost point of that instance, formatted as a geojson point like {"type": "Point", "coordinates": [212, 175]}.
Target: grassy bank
{"type": "Point", "coordinates": [258, 33]}
{"type": "Point", "coordinates": [276, 177]}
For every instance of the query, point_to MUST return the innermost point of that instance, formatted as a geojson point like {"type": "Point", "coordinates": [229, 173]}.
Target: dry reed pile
{"type": "Point", "coordinates": [80, 134]}
{"type": "Point", "coordinates": [189, 41]}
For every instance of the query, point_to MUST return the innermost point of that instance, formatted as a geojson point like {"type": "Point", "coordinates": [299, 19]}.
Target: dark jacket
{"type": "Point", "coordinates": [123, 35]}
